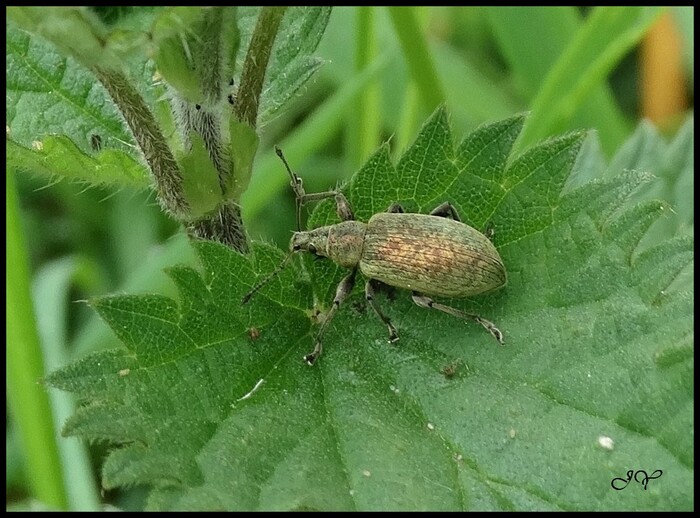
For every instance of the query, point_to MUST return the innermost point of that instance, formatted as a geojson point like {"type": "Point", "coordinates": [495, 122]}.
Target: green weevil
{"type": "Point", "coordinates": [430, 254]}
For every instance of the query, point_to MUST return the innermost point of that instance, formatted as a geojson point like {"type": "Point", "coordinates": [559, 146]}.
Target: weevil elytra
{"type": "Point", "coordinates": [430, 254]}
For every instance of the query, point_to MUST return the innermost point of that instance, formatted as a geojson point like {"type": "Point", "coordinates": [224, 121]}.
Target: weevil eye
{"type": "Point", "coordinates": [296, 248]}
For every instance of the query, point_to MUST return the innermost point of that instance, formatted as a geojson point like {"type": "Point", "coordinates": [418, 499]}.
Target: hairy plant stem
{"type": "Point", "coordinates": [255, 65]}
{"type": "Point", "coordinates": [225, 224]}
{"type": "Point", "coordinates": [143, 125]}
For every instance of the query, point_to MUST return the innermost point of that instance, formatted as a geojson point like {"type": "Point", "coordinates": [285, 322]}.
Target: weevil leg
{"type": "Point", "coordinates": [426, 302]}
{"type": "Point", "coordinates": [395, 208]}
{"type": "Point", "coordinates": [446, 210]}
{"type": "Point", "coordinates": [489, 231]}
{"type": "Point", "coordinates": [342, 205]}
{"type": "Point", "coordinates": [369, 294]}
{"type": "Point", "coordinates": [341, 293]}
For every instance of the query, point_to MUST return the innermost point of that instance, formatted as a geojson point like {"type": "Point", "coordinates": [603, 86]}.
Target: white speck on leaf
{"type": "Point", "coordinates": [606, 442]}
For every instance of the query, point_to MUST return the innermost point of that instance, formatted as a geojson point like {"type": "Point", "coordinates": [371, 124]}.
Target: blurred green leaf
{"type": "Point", "coordinates": [79, 33]}
{"type": "Point", "coordinates": [194, 49]}
{"type": "Point", "coordinates": [364, 126]}
{"type": "Point", "coordinates": [216, 416]}
{"type": "Point", "coordinates": [535, 40]}
{"type": "Point", "coordinates": [472, 96]}
{"type": "Point", "coordinates": [27, 401]}
{"type": "Point", "coordinates": [685, 20]}
{"type": "Point", "coordinates": [178, 35]}
{"type": "Point", "coordinates": [417, 56]}
{"type": "Point", "coordinates": [50, 294]}
{"type": "Point", "coordinates": [604, 38]}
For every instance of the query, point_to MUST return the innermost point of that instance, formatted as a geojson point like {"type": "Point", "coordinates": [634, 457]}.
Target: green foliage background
{"type": "Point", "coordinates": [597, 312]}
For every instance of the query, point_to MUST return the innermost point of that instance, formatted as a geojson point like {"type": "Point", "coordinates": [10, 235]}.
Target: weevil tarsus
{"type": "Point", "coordinates": [395, 208]}
{"type": "Point", "coordinates": [341, 293]}
{"type": "Point", "coordinates": [96, 142]}
{"type": "Point", "coordinates": [446, 210]}
{"type": "Point", "coordinates": [426, 302]}
{"type": "Point", "coordinates": [369, 295]}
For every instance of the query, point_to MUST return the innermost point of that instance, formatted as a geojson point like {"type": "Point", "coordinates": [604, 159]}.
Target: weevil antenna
{"type": "Point", "coordinates": [296, 186]}
{"type": "Point", "coordinates": [267, 279]}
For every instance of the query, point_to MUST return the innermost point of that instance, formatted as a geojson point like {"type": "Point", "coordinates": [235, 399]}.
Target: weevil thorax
{"type": "Point", "coordinates": [342, 243]}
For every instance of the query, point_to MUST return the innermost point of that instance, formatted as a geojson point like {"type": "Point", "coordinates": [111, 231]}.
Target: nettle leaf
{"type": "Point", "coordinates": [56, 110]}
{"type": "Point", "coordinates": [211, 405]}
{"type": "Point", "coordinates": [671, 164]}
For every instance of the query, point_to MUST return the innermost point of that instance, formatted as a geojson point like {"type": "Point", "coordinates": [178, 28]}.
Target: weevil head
{"type": "Point", "coordinates": [312, 241]}
{"type": "Point", "coordinates": [342, 243]}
